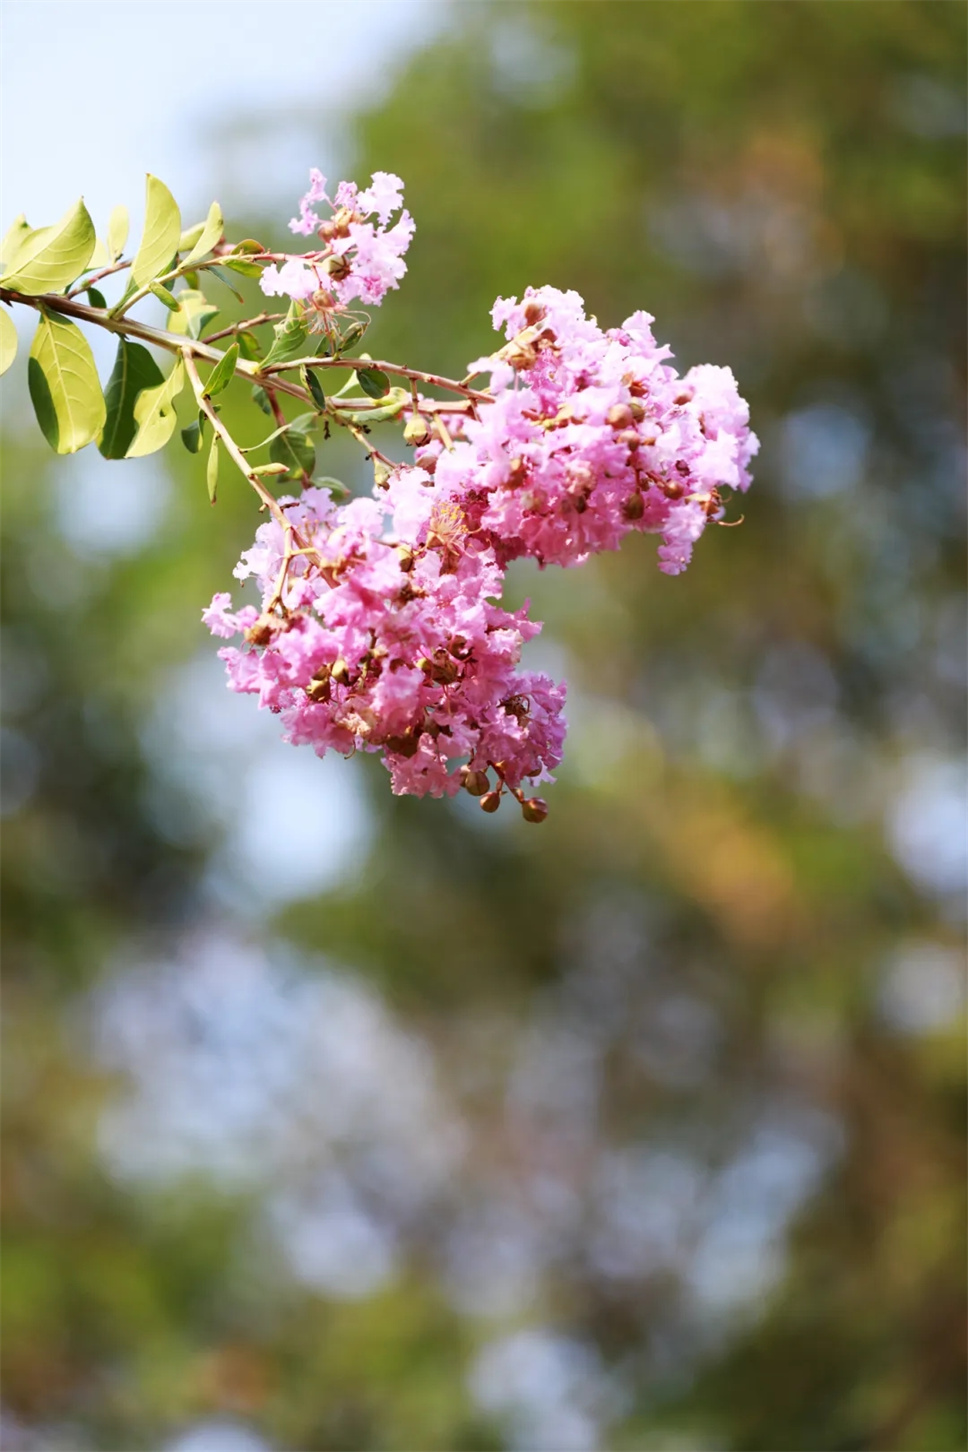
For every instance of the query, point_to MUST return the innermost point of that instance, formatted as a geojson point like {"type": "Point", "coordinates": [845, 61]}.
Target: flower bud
{"type": "Point", "coordinates": [619, 416]}
{"type": "Point", "coordinates": [322, 300]}
{"type": "Point", "coordinates": [490, 802]}
{"type": "Point", "coordinates": [475, 782]}
{"type": "Point", "coordinates": [535, 809]}
{"type": "Point", "coordinates": [262, 631]}
{"type": "Point", "coordinates": [340, 672]}
{"type": "Point", "coordinates": [634, 507]}
{"type": "Point", "coordinates": [637, 410]}
{"type": "Point", "coordinates": [337, 267]}
{"type": "Point", "coordinates": [416, 431]}
{"type": "Point", "coordinates": [318, 691]}
{"type": "Point", "coordinates": [520, 355]}
{"type": "Point", "coordinates": [382, 473]}
{"type": "Point", "coordinates": [533, 313]}
{"type": "Point", "coordinates": [629, 438]}
{"type": "Point", "coordinates": [685, 394]}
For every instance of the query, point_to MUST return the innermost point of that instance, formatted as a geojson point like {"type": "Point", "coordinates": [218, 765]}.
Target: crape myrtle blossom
{"type": "Point", "coordinates": [380, 626]}
{"type": "Point", "coordinates": [384, 635]}
{"type": "Point", "coordinates": [360, 259]}
{"type": "Point", "coordinates": [593, 433]}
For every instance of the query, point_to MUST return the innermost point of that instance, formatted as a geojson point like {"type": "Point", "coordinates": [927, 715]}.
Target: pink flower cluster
{"type": "Point", "coordinates": [380, 628]}
{"type": "Point", "coordinates": [392, 642]}
{"type": "Point", "coordinates": [360, 258]}
{"type": "Point", "coordinates": [593, 433]}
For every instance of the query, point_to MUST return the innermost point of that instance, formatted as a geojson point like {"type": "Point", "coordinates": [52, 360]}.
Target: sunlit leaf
{"type": "Point", "coordinates": [117, 231]}
{"type": "Point", "coordinates": [15, 235]}
{"type": "Point", "coordinates": [50, 259]}
{"type": "Point", "coordinates": [163, 296]}
{"type": "Point", "coordinates": [210, 234]}
{"type": "Point", "coordinates": [134, 370]}
{"type": "Point", "coordinates": [194, 314]}
{"type": "Point", "coordinates": [8, 340]}
{"type": "Point", "coordinates": [64, 386]}
{"type": "Point", "coordinates": [154, 413]}
{"type": "Point", "coordinates": [161, 233]}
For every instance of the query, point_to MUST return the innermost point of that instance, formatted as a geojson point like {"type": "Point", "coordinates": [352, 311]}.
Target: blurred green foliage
{"type": "Point", "coordinates": [728, 915]}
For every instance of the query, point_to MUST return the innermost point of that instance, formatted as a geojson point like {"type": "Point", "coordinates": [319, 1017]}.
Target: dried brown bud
{"type": "Point", "coordinates": [475, 782]}
{"type": "Point", "coordinates": [318, 691]}
{"type": "Point", "coordinates": [517, 471]}
{"type": "Point", "coordinates": [406, 745]}
{"type": "Point", "coordinates": [427, 462]}
{"type": "Point", "coordinates": [520, 355]}
{"type": "Point", "coordinates": [533, 313]}
{"type": "Point", "coordinates": [634, 507]}
{"type": "Point", "coordinates": [685, 394]}
{"type": "Point", "coordinates": [262, 631]}
{"type": "Point", "coordinates": [535, 809]}
{"type": "Point", "coordinates": [491, 802]}
{"type": "Point", "coordinates": [619, 416]}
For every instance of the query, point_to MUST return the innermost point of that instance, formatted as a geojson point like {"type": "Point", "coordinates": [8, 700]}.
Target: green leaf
{"type": "Point", "coordinates": [373, 381]}
{"type": "Point", "coordinates": [8, 340]}
{"type": "Point", "coordinates": [154, 413]}
{"type": "Point", "coordinates": [14, 236]}
{"type": "Point", "coordinates": [194, 314]}
{"type": "Point", "coordinates": [134, 371]}
{"type": "Point", "coordinates": [100, 257]}
{"type": "Point", "coordinates": [209, 235]}
{"type": "Point", "coordinates": [249, 346]}
{"type": "Point", "coordinates": [248, 244]}
{"type": "Point", "coordinates": [350, 336]}
{"type": "Point", "coordinates": [211, 469]}
{"type": "Point", "coordinates": [95, 298]}
{"type": "Point", "coordinates": [223, 372]}
{"type": "Point", "coordinates": [191, 436]}
{"type": "Point", "coordinates": [336, 487]}
{"type": "Point", "coordinates": [117, 231]}
{"type": "Point", "coordinates": [159, 242]}
{"type": "Point", "coordinates": [276, 470]}
{"type": "Point", "coordinates": [190, 236]}
{"type": "Point", "coordinates": [64, 386]}
{"type": "Point", "coordinates": [261, 399]}
{"type": "Point", "coordinates": [289, 336]}
{"type": "Point", "coordinates": [164, 296]}
{"type": "Point", "coordinates": [49, 259]}
{"type": "Point", "coordinates": [243, 266]}
{"type": "Point", "coordinates": [294, 450]}
{"type": "Point", "coordinates": [308, 376]}
{"type": "Point", "coordinates": [220, 274]}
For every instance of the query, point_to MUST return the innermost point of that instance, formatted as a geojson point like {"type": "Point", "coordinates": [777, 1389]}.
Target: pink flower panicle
{"type": "Point", "coordinates": [380, 626]}
{"type": "Point", "coordinates": [360, 258]}
{"type": "Point", "coordinates": [391, 642]}
{"type": "Point", "coordinates": [593, 433]}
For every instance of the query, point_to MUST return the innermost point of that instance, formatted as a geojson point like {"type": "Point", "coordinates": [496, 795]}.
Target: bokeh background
{"type": "Point", "coordinates": [334, 1121]}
